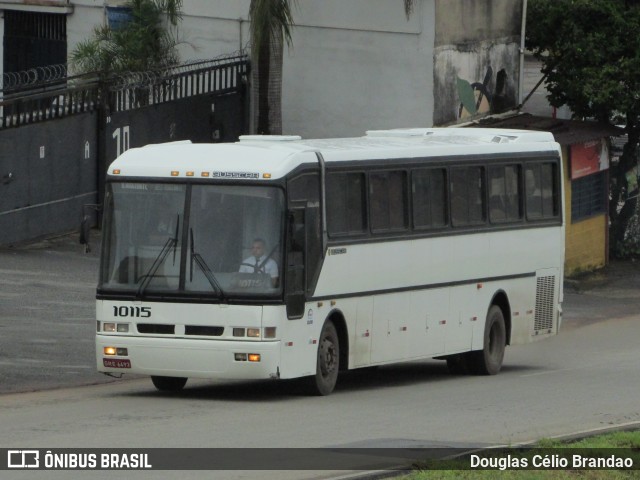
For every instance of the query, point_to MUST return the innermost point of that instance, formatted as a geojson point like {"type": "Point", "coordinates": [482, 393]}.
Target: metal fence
{"type": "Point", "coordinates": [46, 93]}
{"type": "Point", "coordinates": [138, 89]}
{"type": "Point", "coordinates": [59, 133]}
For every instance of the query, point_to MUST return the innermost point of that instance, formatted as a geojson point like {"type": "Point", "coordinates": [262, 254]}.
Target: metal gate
{"type": "Point", "coordinates": [58, 136]}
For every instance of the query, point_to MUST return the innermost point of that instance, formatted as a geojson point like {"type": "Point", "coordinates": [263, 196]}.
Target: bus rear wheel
{"type": "Point", "coordinates": [328, 362]}
{"type": "Point", "coordinates": [169, 384]}
{"type": "Point", "coordinates": [488, 361]}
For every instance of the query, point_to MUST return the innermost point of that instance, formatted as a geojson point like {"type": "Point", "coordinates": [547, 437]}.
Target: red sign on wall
{"type": "Point", "coordinates": [588, 158]}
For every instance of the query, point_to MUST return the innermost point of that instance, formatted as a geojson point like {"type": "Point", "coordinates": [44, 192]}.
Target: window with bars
{"type": "Point", "coordinates": [34, 39]}
{"type": "Point", "coordinates": [588, 196]}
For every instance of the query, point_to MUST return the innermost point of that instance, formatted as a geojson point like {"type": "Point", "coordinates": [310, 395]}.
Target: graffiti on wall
{"type": "Point", "coordinates": [476, 98]}
{"type": "Point", "coordinates": [475, 82]}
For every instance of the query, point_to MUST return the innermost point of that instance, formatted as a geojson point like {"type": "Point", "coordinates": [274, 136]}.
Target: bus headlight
{"type": "Point", "coordinates": [114, 327]}
{"type": "Point", "coordinates": [238, 332]}
{"type": "Point", "coordinates": [253, 332]}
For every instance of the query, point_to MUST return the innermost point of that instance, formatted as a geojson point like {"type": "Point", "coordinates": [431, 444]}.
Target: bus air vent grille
{"type": "Point", "coordinates": [206, 331]}
{"type": "Point", "coordinates": [544, 303]}
{"type": "Point", "coordinates": [154, 329]}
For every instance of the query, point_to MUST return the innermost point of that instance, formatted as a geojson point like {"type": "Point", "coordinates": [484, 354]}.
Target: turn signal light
{"type": "Point", "coordinates": [254, 357]}
{"type": "Point", "coordinates": [122, 352]}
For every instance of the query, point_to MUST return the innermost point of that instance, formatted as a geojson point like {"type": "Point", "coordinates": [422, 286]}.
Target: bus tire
{"type": "Point", "coordinates": [328, 361]}
{"type": "Point", "coordinates": [168, 384]}
{"type": "Point", "coordinates": [488, 361]}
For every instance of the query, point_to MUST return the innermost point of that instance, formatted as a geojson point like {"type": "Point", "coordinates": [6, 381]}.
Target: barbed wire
{"type": "Point", "coordinates": [33, 77]}
{"type": "Point", "coordinates": [127, 80]}
{"type": "Point", "coordinates": [52, 75]}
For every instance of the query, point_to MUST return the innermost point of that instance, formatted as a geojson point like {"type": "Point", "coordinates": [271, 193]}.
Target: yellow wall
{"type": "Point", "coordinates": [585, 243]}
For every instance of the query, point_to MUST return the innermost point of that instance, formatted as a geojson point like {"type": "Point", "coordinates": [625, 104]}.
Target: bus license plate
{"type": "Point", "coordinates": [115, 363]}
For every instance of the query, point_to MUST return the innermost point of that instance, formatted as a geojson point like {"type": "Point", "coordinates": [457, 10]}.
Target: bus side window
{"type": "Point", "coordinates": [304, 192]}
{"type": "Point", "coordinates": [346, 204]}
{"type": "Point", "coordinates": [295, 289]}
{"type": "Point", "coordinates": [429, 198]}
{"type": "Point", "coordinates": [387, 198]}
{"type": "Point", "coordinates": [541, 186]}
{"type": "Point", "coordinates": [549, 179]}
{"type": "Point", "coordinates": [504, 193]}
{"type": "Point", "coordinates": [467, 196]}
{"type": "Point", "coordinates": [532, 188]}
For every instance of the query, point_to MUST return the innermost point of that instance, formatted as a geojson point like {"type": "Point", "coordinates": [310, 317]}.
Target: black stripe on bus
{"type": "Point", "coordinates": [431, 286]}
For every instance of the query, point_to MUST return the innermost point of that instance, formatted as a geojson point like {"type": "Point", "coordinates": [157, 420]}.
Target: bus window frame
{"type": "Point", "coordinates": [184, 296]}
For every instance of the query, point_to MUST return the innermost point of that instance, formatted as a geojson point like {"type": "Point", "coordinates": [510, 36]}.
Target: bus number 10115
{"type": "Point", "coordinates": [138, 312]}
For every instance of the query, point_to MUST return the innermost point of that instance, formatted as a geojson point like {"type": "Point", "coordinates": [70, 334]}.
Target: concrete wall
{"type": "Point", "coordinates": [358, 68]}
{"type": "Point", "coordinates": [476, 42]}
{"type": "Point", "coordinates": [585, 240]}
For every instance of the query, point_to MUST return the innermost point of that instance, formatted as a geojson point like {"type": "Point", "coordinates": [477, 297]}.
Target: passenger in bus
{"type": "Point", "coordinates": [258, 262]}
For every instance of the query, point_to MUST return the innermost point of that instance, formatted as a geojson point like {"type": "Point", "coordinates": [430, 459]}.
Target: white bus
{"type": "Point", "coordinates": [277, 257]}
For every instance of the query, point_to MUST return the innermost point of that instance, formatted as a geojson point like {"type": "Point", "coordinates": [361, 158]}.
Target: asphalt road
{"type": "Point", "coordinates": [47, 315]}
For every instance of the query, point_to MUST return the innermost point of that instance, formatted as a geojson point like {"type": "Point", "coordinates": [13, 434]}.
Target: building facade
{"type": "Point", "coordinates": [354, 65]}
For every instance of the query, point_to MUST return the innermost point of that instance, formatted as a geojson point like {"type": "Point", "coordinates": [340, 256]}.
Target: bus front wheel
{"type": "Point", "coordinates": [488, 361]}
{"type": "Point", "coordinates": [169, 384]}
{"type": "Point", "coordinates": [328, 362]}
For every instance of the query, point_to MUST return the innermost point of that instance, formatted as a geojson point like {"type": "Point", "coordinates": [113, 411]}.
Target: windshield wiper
{"type": "Point", "coordinates": [156, 264]}
{"type": "Point", "coordinates": [205, 269]}
{"type": "Point", "coordinates": [171, 242]}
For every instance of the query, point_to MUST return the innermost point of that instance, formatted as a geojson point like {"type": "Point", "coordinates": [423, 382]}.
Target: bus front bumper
{"type": "Point", "coordinates": [176, 357]}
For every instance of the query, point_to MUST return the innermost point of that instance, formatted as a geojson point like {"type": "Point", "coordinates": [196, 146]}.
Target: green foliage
{"type": "Point", "coordinates": [590, 52]}
{"type": "Point", "coordinates": [271, 21]}
{"type": "Point", "coordinates": [144, 43]}
{"type": "Point", "coordinates": [457, 468]}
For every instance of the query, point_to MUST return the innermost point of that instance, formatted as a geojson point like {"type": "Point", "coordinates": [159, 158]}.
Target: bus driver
{"type": "Point", "coordinates": [258, 262]}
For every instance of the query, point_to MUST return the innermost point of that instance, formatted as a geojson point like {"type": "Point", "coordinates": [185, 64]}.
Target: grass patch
{"type": "Point", "coordinates": [621, 444]}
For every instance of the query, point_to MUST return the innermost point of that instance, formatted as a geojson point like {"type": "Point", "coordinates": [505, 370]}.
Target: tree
{"type": "Point", "coordinates": [590, 56]}
{"type": "Point", "coordinates": [143, 43]}
{"type": "Point", "coordinates": [271, 22]}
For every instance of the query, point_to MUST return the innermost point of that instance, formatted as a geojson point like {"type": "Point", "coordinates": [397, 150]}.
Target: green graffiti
{"type": "Point", "coordinates": [467, 97]}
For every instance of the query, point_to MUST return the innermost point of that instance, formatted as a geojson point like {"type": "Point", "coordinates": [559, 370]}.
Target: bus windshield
{"type": "Point", "coordinates": [213, 241]}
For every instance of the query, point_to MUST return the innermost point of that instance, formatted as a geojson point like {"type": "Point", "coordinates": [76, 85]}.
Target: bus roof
{"type": "Point", "coordinates": [273, 156]}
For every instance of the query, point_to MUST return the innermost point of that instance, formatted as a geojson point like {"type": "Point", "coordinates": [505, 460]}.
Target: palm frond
{"type": "Point", "coordinates": [271, 21]}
